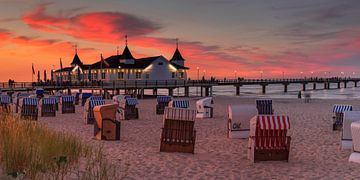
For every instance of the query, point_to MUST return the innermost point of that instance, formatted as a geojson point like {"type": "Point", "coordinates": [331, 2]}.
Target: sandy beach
{"type": "Point", "coordinates": [315, 149]}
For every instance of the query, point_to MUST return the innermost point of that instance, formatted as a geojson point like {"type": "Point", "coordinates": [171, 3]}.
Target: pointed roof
{"type": "Point", "coordinates": [127, 54]}
{"type": "Point", "coordinates": [177, 56]}
{"type": "Point", "coordinates": [76, 60]}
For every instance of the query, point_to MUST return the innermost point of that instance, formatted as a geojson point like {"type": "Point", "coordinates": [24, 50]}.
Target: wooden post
{"type": "Point", "coordinates": [314, 86]}
{"type": "Point", "coordinates": [304, 87]}
{"type": "Point", "coordinates": [207, 91]}
{"type": "Point", "coordinates": [339, 85]}
{"type": "Point", "coordinates": [345, 84]}
{"type": "Point", "coordinates": [170, 91]}
{"type": "Point", "coordinates": [155, 91]}
{"type": "Point", "coordinates": [237, 90]}
{"type": "Point", "coordinates": [264, 88]}
{"type": "Point", "coordinates": [285, 88]}
{"type": "Point", "coordinates": [186, 91]}
{"type": "Point", "coordinates": [142, 93]}
{"type": "Point", "coordinates": [201, 91]}
{"type": "Point", "coordinates": [211, 91]}
{"type": "Point", "coordinates": [355, 83]}
{"type": "Point", "coordinates": [69, 91]}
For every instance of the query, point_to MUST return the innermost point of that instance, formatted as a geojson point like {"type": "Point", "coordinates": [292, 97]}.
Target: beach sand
{"type": "Point", "coordinates": [315, 149]}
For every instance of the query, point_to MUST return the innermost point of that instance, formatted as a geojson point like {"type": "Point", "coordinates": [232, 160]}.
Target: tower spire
{"type": "Point", "coordinates": [177, 42]}
{"type": "Point", "coordinates": [75, 46]}
{"type": "Point", "coordinates": [126, 40]}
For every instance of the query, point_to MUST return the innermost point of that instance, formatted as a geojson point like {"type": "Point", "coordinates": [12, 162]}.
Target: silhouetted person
{"type": "Point", "coordinates": [299, 95]}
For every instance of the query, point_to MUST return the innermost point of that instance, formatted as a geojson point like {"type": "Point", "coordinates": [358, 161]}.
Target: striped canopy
{"type": "Point", "coordinates": [94, 103]}
{"type": "Point", "coordinates": [181, 103]}
{"type": "Point", "coordinates": [30, 101]}
{"type": "Point", "coordinates": [273, 122]}
{"type": "Point", "coordinates": [163, 99]}
{"type": "Point", "coordinates": [96, 98]}
{"type": "Point", "coordinates": [263, 101]}
{"type": "Point", "coordinates": [57, 99]}
{"type": "Point", "coordinates": [68, 99]}
{"type": "Point", "coordinates": [49, 101]}
{"type": "Point", "coordinates": [131, 101]}
{"type": "Point", "coordinates": [5, 99]}
{"type": "Point", "coordinates": [341, 108]}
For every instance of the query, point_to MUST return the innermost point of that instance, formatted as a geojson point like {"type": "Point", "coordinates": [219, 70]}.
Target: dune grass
{"type": "Point", "coordinates": [33, 151]}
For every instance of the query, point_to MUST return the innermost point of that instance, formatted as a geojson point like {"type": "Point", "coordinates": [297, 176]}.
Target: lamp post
{"type": "Point", "coordinates": [204, 73]}
{"type": "Point", "coordinates": [283, 73]}
{"type": "Point", "coordinates": [301, 74]}
{"type": "Point", "coordinates": [235, 72]}
{"type": "Point", "coordinates": [261, 74]}
{"type": "Point", "coordinates": [197, 88]}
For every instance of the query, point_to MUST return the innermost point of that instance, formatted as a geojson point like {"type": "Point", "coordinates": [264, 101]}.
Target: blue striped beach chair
{"type": "Point", "coordinates": [89, 110]}
{"type": "Point", "coordinates": [19, 98]}
{"type": "Point", "coordinates": [67, 104]}
{"type": "Point", "coordinates": [5, 102]}
{"type": "Point", "coordinates": [162, 102]}
{"type": "Point", "coordinates": [48, 107]}
{"type": "Point", "coordinates": [264, 106]}
{"type": "Point", "coordinates": [29, 108]}
{"type": "Point", "coordinates": [179, 104]}
{"type": "Point", "coordinates": [128, 109]}
{"type": "Point", "coordinates": [83, 97]}
{"type": "Point", "coordinates": [57, 101]}
{"type": "Point", "coordinates": [338, 110]}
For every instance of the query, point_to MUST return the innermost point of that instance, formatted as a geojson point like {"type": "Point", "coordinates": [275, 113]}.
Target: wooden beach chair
{"type": "Point", "coordinates": [19, 99]}
{"type": "Point", "coordinates": [57, 101]}
{"type": "Point", "coordinates": [29, 108]}
{"type": "Point", "coordinates": [205, 108]}
{"type": "Point", "coordinates": [239, 117]}
{"type": "Point", "coordinates": [5, 103]}
{"type": "Point", "coordinates": [67, 104]}
{"type": "Point", "coordinates": [127, 109]}
{"type": "Point", "coordinates": [349, 117]}
{"type": "Point", "coordinates": [162, 102]}
{"type": "Point", "coordinates": [355, 133]}
{"type": "Point", "coordinates": [268, 139]}
{"type": "Point", "coordinates": [48, 107]}
{"type": "Point", "coordinates": [338, 111]}
{"type": "Point", "coordinates": [264, 106]}
{"type": "Point", "coordinates": [106, 127]}
{"type": "Point", "coordinates": [89, 117]}
{"type": "Point", "coordinates": [179, 103]}
{"type": "Point", "coordinates": [178, 132]}
{"type": "Point", "coordinates": [83, 97]}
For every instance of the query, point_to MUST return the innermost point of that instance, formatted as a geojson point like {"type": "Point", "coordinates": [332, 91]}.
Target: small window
{"type": "Point", "coordinates": [160, 63]}
{"type": "Point", "coordinates": [103, 75]}
{"type": "Point", "coordinates": [138, 75]}
{"type": "Point", "coordinates": [120, 75]}
{"type": "Point", "coordinates": [181, 74]}
{"type": "Point", "coordinates": [173, 74]}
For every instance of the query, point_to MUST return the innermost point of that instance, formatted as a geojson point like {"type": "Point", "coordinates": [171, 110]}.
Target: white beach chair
{"type": "Point", "coordinates": [346, 138]}
{"type": "Point", "coordinates": [239, 116]}
{"type": "Point", "coordinates": [205, 108]}
{"type": "Point", "coordinates": [355, 133]}
{"type": "Point", "coordinates": [127, 108]}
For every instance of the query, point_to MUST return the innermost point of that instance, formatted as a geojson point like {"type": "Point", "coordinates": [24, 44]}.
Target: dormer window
{"type": "Point", "coordinates": [160, 63]}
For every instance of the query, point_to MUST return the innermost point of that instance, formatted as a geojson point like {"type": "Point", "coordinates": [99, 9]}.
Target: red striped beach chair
{"type": "Point", "coordinates": [179, 103]}
{"type": "Point", "coordinates": [89, 117]}
{"type": "Point", "coordinates": [264, 106]}
{"type": "Point", "coordinates": [29, 108]}
{"type": "Point", "coordinates": [67, 104]}
{"type": "Point", "coordinates": [128, 109]}
{"type": "Point", "coordinates": [239, 116]}
{"type": "Point", "coordinates": [349, 118]}
{"type": "Point", "coordinates": [355, 133]}
{"type": "Point", "coordinates": [48, 107]}
{"type": "Point", "coordinates": [5, 103]}
{"type": "Point", "coordinates": [178, 132]}
{"type": "Point", "coordinates": [268, 139]}
{"type": "Point", "coordinates": [106, 127]}
{"type": "Point", "coordinates": [338, 111]}
{"type": "Point", "coordinates": [205, 108]}
{"type": "Point", "coordinates": [162, 102]}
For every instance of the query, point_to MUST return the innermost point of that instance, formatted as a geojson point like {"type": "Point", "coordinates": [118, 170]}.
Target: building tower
{"type": "Point", "coordinates": [177, 57]}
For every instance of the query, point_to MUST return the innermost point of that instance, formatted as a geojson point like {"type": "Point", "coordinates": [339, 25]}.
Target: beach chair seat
{"type": "Point", "coordinates": [264, 106]}
{"type": "Point", "coordinates": [48, 107]}
{"type": "Point", "coordinates": [67, 104]}
{"type": "Point", "coordinates": [162, 102]}
{"type": "Point", "coordinates": [106, 127]}
{"type": "Point", "coordinates": [346, 138]}
{"type": "Point", "coordinates": [179, 103]}
{"type": "Point", "coordinates": [338, 110]}
{"type": "Point", "coordinates": [205, 108]}
{"type": "Point", "coordinates": [5, 103]}
{"type": "Point", "coordinates": [239, 117]}
{"type": "Point", "coordinates": [268, 139]}
{"type": "Point", "coordinates": [178, 132]}
{"type": "Point", "coordinates": [29, 108]}
{"type": "Point", "coordinates": [89, 117]}
{"type": "Point", "coordinates": [355, 133]}
{"type": "Point", "coordinates": [83, 97]}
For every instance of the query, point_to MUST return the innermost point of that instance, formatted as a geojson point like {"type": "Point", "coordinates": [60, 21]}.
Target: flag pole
{"type": "Point", "coordinates": [101, 71]}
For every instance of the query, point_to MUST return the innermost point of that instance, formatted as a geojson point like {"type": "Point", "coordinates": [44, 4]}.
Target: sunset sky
{"type": "Point", "coordinates": [218, 36]}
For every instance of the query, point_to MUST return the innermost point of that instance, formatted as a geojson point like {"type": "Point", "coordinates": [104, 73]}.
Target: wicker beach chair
{"type": "Point", "coordinates": [264, 106]}
{"type": "Point", "coordinates": [127, 109]}
{"type": "Point", "coordinates": [83, 97]}
{"type": "Point", "coordinates": [349, 117]}
{"type": "Point", "coordinates": [5, 103]}
{"type": "Point", "coordinates": [67, 104]}
{"type": "Point", "coordinates": [268, 139]}
{"type": "Point", "coordinates": [239, 116]}
{"type": "Point", "coordinates": [355, 133]}
{"type": "Point", "coordinates": [89, 117]}
{"type": "Point", "coordinates": [57, 101]}
{"type": "Point", "coordinates": [106, 127]}
{"type": "Point", "coordinates": [162, 102]}
{"type": "Point", "coordinates": [19, 99]}
{"type": "Point", "coordinates": [338, 111]}
{"type": "Point", "coordinates": [178, 132]}
{"type": "Point", "coordinates": [205, 108]}
{"type": "Point", "coordinates": [29, 108]}
{"type": "Point", "coordinates": [179, 103]}
{"type": "Point", "coordinates": [48, 107]}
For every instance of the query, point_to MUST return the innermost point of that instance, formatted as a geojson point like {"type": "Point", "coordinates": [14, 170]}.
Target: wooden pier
{"type": "Point", "coordinates": [206, 86]}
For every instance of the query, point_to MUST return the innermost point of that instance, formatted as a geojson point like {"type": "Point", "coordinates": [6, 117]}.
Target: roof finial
{"type": "Point", "coordinates": [117, 50]}
{"type": "Point", "coordinates": [126, 40]}
{"type": "Point", "coordinates": [75, 48]}
{"type": "Point", "coordinates": [177, 42]}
